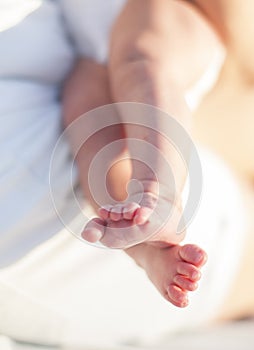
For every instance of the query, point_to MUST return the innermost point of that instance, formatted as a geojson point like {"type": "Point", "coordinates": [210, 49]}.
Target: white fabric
{"type": "Point", "coordinates": [30, 111]}
{"type": "Point", "coordinates": [232, 336]}
{"type": "Point", "coordinates": [37, 56]}
{"type": "Point", "coordinates": [58, 290]}
{"type": "Point", "coordinates": [89, 22]}
{"type": "Point", "coordinates": [81, 295]}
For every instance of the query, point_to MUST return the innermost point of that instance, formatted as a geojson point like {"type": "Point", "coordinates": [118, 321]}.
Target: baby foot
{"type": "Point", "coordinates": [124, 225]}
{"type": "Point", "coordinates": [175, 271]}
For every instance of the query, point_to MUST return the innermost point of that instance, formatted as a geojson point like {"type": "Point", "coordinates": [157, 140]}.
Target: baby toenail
{"type": "Point", "coordinates": [92, 236]}
{"type": "Point", "coordinates": [185, 303]}
{"type": "Point", "coordinates": [196, 275]}
{"type": "Point", "coordinates": [199, 257]}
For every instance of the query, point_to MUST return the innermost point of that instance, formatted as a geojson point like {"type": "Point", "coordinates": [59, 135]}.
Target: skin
{"type": "Point", "coordinates": [174, 270]}
{"type": "Point", "coordinates": [138, 73]}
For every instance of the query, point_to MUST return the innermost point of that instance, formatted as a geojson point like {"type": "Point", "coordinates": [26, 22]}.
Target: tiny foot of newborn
{"type": "Point", "coordinates": [124, 225]}
{"type": "Point", "coordinates": [175, 271]}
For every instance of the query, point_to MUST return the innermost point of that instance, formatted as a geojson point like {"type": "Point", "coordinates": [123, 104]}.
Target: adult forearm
{"type": "Point", "coordinates": [159, 48]}
{"type": "Point", "coordinates": [173, 35]}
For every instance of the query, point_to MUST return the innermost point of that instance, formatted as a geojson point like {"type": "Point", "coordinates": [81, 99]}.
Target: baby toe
{"type": "Point", "coordinates": [116, 213]}
{"type": "Point", "coordinates": [185, 283]}
{"type": "Point", "coordinates": [193, 254]}
{"type": "Point", "coordinates": [92, 235]}
{"type": "Point", "coordinates": [105, 211]}
{"type": "Point", "coordinates": [142, 215]}
{"type": "Point", "coordinates": [93, 231]}
{"type": "Point", "coordinates": [188, 270]}
{"type": "Point", "coordinates": [129, 210]}
{"type": "Point", "coordinates": [177, 296]}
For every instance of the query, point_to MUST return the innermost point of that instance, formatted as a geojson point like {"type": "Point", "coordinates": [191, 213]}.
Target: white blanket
{"type": "Point", "coordinates": [58, 290]}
